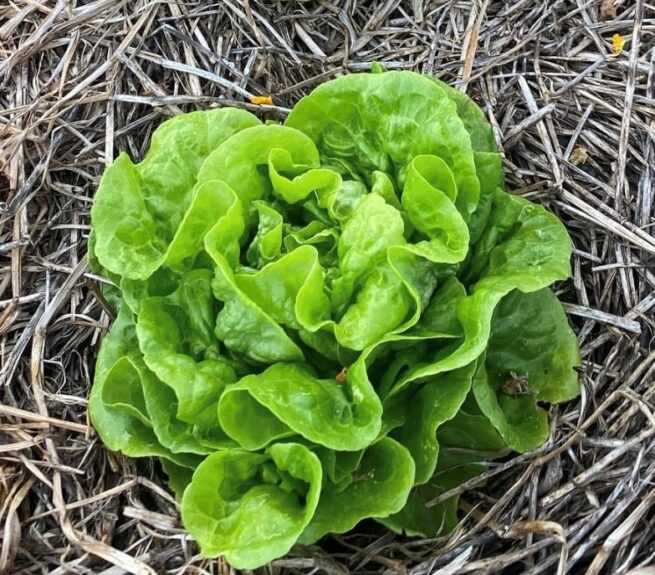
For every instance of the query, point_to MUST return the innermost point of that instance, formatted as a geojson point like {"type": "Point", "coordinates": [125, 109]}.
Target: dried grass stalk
{"type": "Point", "coordinates": [80, 82]}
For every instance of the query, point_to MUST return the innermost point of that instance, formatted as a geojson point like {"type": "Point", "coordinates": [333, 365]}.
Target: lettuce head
{"type": "Point", "coordinates": [335, 318]}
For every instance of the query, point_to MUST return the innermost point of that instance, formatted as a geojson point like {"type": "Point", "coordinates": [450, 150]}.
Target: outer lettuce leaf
{"type": "Point", "coordinates": [531, 339]}
{"type": "Point", "coordinates": [178, 477]}
{"type": "Point", "coordinates": [472, 431]}
{"type": "Point", "coordinates": [252, 507]}
{"type": "Point", "coordinates": [379, 487]}
{"type": "Point", "coordinates": [138, 207]}
{"type": "Point", "coordinates": [434, 404]}
{"type": "Point", "coordinates": [532, 252]}
{"type": "Point", "coordinates": [417, 518]}
{"type": "Point", "coordinates": [468, 441]}
{"type": "Point", "coordinates": [531, 336]}
{"type": "Point", "coordinates": [117, 402]}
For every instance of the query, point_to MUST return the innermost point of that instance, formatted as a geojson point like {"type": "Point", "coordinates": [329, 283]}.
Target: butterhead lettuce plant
{"type": "Point", "coordinates": [335, 318]}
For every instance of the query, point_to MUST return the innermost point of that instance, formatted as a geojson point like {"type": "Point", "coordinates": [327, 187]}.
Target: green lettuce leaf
{"type": "Point", "coordinates": [531, 342]}
{"type": "Point", "coordinates": [435, 403]}
{"type": "Point", "coordinates": [117, 405]}
{"type": "Point", "coordinates": [379, 487]}
{"type": "Point", "coordinates": [342, 416]}
{"type": "Point", "coordinates": [252, 507]}
{"type": "Point", "coordinates": [138, 207]}
{"type": "Point", "coordinates": [419, 518]}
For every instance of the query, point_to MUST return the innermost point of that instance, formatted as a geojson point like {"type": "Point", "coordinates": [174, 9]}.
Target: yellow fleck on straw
{"type": "Point", "coordinates": [261, 100]}
{"type": "Point", "coordinates": [618, 42]}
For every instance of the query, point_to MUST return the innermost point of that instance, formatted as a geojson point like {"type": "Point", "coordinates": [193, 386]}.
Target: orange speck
{"type": "Point", "coordinates": [261, 100]}
{"type": "Point", "coordinates": [618, 42]}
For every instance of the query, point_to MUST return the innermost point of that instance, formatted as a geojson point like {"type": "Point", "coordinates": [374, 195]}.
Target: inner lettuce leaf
{"type": "Point", "coordinates": [336, 318]}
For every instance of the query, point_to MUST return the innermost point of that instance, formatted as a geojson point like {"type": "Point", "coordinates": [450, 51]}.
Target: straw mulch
{"type": "Point", "coordinates": [81, 81]}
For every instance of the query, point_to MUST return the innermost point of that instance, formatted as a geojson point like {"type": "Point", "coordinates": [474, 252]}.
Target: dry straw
{"type": "Point", "coordinates": [574, 112]}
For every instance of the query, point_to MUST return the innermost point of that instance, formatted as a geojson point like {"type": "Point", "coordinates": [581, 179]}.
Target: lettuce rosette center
{"type": "Point", "coordinates": [320, 322]}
